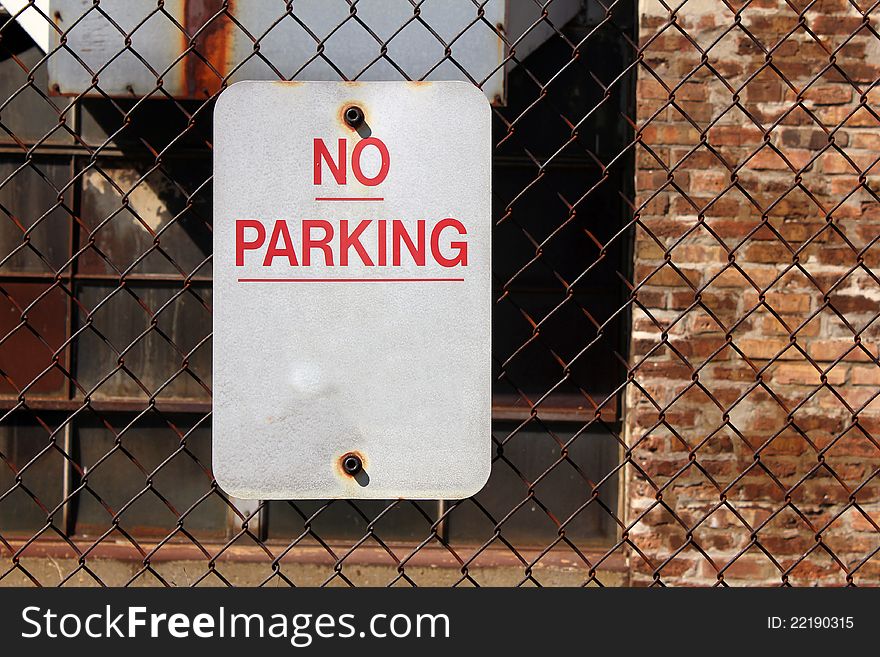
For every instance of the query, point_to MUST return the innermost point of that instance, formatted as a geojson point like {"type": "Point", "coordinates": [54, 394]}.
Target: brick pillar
{"type": "Point", "coordinates": [752, 422]}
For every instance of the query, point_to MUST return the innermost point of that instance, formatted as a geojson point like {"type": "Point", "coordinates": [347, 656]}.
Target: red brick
{"type": "Point", "coordinates": [739, 135]}
{"type": "Point", "coordinates": [825, 24]}
{"type": "Point", "coordinates": [830, 94]}
{"type": "Point", "coordinates": [866, 140]}
{"type": "Point", "coordinates": [806, 374]}
{"type": "Point", "coordinates": [665, 133]}
{"type": "Point", "coordinates": [763, 91]}
{"type": "Point", "coordinates": [767, 158]}
{"type": "Point", "coordinates": [829, 350]}
{"type": "Point", "coordinates": [761, 348]}
{"type": "Point", "coordinates": [860, 523]}
{"type": "Point", "coordinates": [867, 375]}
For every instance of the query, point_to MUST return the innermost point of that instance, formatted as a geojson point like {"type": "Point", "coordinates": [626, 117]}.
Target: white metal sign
{"type": "Point", "coordinates": [352, 295]}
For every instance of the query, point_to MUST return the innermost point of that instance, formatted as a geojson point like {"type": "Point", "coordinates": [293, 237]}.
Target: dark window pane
{"type": "Point", "coordinates": [164, 126]}
{"type": "Point", "coordinates": [553, 93]}
{"type": "Point", "coordinates": [562, 491]}
{"type": "Point", "coordinates": [27, 347]}
{"type": "Point", "coordinates": [557, 253]}
{"type": "Point", "coordinates": [348, 521]}
{"type": "Point", "coordinates": [165, 229]}
{"type": "Point", "coordinates": [533, 214]}
{"type": "Point", "coordinates": [34, 229]}
{"type": "Point", "coordinates": [175, 351]}
{"type": "Point", "coordinates": [30, 115]}
{"type": "Point", "coordinates": [26, 451]}
{"type": "Point", "coordinates": [536, 363]}
{"type": "Point", "coordinates": [127, 471]}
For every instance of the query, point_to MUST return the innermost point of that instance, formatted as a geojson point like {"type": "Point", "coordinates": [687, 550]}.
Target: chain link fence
{"type": "Point", "coordinates": [685, 328]}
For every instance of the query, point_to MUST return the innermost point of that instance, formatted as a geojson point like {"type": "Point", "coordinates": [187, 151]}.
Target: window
{"type": "Point", "coordinates": [105, 311]}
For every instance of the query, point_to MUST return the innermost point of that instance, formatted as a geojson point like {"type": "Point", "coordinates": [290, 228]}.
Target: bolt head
{"type": "Point", "coordinates": [351, 463]}
{"type": "Point", "coordinates": [354, 116]}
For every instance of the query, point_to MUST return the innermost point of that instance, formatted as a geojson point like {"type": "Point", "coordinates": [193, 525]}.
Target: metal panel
{"type": "Point", "coordinates": [390, 361]}
{"type": "Point", "coordinates": [33, 318]}
{"type": "Point", "coordinates": [374, 40]}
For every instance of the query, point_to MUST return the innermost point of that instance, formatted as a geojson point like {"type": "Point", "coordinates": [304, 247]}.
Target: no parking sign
{"type": "Point", "coordinates": [352, 290]}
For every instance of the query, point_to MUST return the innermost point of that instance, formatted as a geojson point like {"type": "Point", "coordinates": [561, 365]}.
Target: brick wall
{"type": "Point", "coordinates": [753, 424]}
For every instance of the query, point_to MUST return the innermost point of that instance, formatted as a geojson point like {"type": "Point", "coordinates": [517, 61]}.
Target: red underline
{"type": "Point", "coordinates": [350, 280]}
{"type": "Point", "coordinates": [349, 198]}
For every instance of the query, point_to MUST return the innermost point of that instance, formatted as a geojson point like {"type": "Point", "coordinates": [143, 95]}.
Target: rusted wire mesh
{"type": "Point", "coordinates": [685, 334]}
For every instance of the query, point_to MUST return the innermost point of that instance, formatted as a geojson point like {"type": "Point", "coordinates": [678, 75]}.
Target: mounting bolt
{"type": "Point", "coordinates": [354, 116]}
{"type": "Point", "coordinates": [351, 464]}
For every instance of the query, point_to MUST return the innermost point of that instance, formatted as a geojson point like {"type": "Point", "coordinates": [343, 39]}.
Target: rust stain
{"type": "Point", "coordinates": [501, 42]}
{"type": "Point", "coordinates": [419, 85]}
{"type": "Point", "coordinates": [214, 43]}
{"type": "Point", "coordinates": [341, 471]}
{"type": "Point", "coordinates": [503, 52]}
